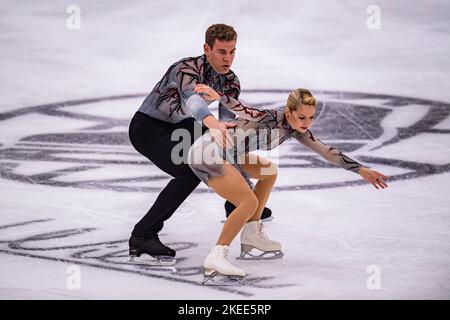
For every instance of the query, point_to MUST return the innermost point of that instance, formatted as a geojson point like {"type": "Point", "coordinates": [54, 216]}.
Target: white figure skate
{"type": "Point", "coordinates": [254, 237]}
{"type": "Point", "coordinates": [216, 263]}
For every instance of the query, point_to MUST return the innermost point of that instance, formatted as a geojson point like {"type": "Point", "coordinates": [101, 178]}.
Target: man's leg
{"type": "Point", "coordinates": [158, 150]}
{"type": "Point", "coordinates": [167, 202]}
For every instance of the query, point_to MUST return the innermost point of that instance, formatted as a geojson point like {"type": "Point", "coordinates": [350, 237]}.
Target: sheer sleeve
{"type": "Point", "coordinates": [329, 153]}
{"type": "Point", "coordinates": [247, 112]}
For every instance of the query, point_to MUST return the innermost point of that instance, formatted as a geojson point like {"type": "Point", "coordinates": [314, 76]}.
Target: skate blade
{"type": "Point", "coordinates": [153, 261]}
{"type": "Point", "coordinates": [217, 279]}
{"type": "Point", "coordinates": [266, 255]}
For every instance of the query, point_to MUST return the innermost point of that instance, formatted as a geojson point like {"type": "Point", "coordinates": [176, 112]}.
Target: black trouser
{"type": "Point", "coordinates": [152, 138]}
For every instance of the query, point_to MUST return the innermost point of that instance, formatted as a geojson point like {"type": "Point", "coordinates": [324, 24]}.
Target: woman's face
{"type": "Point", "coordinates": [302, 118]}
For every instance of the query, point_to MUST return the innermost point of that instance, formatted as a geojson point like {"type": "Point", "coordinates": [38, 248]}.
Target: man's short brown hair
{"type": "Point", "coordinates": [221, 32]}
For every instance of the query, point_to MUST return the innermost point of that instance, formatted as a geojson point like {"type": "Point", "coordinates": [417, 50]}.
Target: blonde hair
{"type": "Point", "coordinates": [298, 97]}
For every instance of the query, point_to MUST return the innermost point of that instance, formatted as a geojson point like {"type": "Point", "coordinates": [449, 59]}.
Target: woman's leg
{"type": "Point", "coordinates": [266, 173]}
{"type": "Point", "coordinates": [253, 236]}
{"type": "Point", "coordinates": [233, 187]}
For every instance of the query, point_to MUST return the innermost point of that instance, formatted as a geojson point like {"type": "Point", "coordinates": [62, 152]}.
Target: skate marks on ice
{"type": "Point", "coordinates": [91, 145]}
{"type": "Point", "coordinates": [113, 256]}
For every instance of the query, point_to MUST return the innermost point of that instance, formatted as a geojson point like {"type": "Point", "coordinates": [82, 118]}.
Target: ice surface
{"type": "Point", "coordinates": [72, 187]}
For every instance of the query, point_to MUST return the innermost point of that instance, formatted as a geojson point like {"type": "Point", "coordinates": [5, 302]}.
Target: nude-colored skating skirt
{"type": "Point", "coordinates": [207, 159]}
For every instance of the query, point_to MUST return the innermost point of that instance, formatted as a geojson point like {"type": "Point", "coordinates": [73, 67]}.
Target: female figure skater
{"type": "Point", "coordinates": [226, 171]}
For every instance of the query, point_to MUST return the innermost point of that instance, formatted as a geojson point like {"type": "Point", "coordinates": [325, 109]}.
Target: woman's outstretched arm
{"type": "Point", "coordinates": [335, 156]}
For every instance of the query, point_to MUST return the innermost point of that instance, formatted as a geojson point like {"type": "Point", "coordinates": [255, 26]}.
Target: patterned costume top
{"type": "Point", "coordinates": [256, 129]}
{"type": "Point", "coordinates": [173, 98]}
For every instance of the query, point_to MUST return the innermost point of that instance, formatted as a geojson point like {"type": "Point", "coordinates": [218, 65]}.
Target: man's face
{"type": "Point", "coordinates": [221, 55]}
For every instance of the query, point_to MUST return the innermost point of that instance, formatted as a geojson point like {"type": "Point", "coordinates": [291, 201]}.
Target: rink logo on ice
{"type": "Point", "coordinates": [73, 247]}
{"type": "Point", "coordinates": [85, 144]}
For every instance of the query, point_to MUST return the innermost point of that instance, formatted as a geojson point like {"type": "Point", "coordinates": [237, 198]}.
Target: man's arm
{"type": "Point", "coordinates": [198, 108]}
{"type": "Point", "coordinates": [194, 102]}
{"type": "Point", "coordinates": [188, 79]}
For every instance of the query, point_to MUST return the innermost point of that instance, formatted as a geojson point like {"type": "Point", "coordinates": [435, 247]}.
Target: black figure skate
{"type": "Point", "coordinates": [266, 214]}
{"type": "Point", "coordinates": [160, 254]}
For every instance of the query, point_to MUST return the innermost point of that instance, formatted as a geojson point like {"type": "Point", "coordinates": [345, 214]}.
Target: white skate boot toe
{"type": "Point", "coordinates": [216, 264]}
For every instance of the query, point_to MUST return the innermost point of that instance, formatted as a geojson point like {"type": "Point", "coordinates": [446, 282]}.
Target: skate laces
{"type": "Point", "coordinates": [261, 233]}
{"type": "Point", "coordinates": [225, 252]}
{"type": "Point", "coordinates": [220, 252]}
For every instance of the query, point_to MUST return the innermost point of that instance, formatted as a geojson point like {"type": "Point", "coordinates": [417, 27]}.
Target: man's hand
{"type": "Point", "coordinates": [218, 131]}
{"type": "Point", "coordinates": [374, 177]}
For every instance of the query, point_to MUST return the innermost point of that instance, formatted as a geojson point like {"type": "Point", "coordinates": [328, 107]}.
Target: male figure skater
{"type": "Point", "coordinates": [173, 105]}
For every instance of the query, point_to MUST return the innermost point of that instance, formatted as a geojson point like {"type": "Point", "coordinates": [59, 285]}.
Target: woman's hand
{"type": "Point", "coordinates": [208, 93]}
{"type": "Point", "coordinates": [374, 177]}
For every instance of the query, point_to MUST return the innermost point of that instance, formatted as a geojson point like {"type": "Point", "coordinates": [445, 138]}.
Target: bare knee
{"type": "Point", "coordinates": [249, 204]}
{"type": "Point", "coordinates": [253, 202]}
